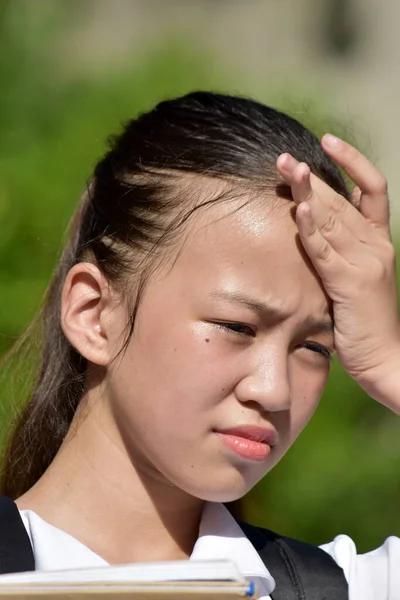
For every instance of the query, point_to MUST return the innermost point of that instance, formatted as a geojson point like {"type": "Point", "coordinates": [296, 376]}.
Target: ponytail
{"type": "Point", "coordinates": [44, 421]}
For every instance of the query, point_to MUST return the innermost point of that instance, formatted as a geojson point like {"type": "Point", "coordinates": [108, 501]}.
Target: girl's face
{"type": "Point", "coordinates": [232, 340]}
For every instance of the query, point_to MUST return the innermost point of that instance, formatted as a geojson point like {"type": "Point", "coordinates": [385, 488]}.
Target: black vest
{"type": "Point", "coordinates": [301, 571]}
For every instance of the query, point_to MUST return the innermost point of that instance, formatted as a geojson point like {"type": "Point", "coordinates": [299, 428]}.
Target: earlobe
{"type": "Point", "coordinates": [85, 299]}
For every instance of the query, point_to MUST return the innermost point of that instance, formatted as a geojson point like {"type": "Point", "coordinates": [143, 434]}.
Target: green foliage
{"type": "Point", "coordinates": [342, 475]}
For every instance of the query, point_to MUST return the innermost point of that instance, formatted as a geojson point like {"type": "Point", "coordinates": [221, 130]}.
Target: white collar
{"type": "Point", "coordinates": [219, 537]}
{"type": "Point", "coordinates": [54, 549]}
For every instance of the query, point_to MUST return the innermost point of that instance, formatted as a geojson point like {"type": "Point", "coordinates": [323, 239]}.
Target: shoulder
{"type": "Point", "coordinates": [375, 574]}
{"type": "Point", "coordinates": [261, 537]}
{"type": "Point", "coordinates": [298, 564]}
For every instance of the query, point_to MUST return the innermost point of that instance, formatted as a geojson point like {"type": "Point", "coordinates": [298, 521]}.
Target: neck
{"type": "Point", "coordinates": [100, 495]}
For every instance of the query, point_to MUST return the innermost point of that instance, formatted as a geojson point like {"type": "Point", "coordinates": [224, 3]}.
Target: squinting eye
{"type": "Point", "coordinates": [238, 328]}
{"type": "Point", "coordinates": [318, 348]}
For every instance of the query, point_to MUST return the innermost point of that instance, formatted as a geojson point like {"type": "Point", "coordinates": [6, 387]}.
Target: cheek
{"type": "Point", "coordinates": [171, 369]}
{"type": "Point", "coordinates": [306, 397]}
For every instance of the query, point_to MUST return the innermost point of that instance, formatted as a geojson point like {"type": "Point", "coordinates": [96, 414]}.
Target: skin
{"type": "Point", "coordinates": [143, 453]}
{"type": "Point", "coordinates": [350, 247]}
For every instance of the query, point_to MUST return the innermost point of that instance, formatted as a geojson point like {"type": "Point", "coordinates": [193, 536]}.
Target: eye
{"type": "Point", "coordinates": [237, 328]}
{"type": "Point", "coordinates": [319, 349]}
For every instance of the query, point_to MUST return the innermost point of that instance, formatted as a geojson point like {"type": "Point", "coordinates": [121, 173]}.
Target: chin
{"type": "Point", "coordinates": [221, 489]}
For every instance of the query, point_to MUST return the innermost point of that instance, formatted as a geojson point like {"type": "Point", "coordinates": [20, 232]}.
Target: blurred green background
{"type": "Point", "coordinates": [67, 81]}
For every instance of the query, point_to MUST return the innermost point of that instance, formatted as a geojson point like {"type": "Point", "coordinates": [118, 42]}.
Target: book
{"type": "Point", "coordinates": [184, 579]}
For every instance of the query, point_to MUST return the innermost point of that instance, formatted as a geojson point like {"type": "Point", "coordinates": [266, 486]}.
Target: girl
{"type": "Point", "coordinates": [208, 278]}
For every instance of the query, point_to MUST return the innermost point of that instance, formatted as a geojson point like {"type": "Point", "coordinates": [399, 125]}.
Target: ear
{"type": "Point", "coordinates": [86, 305]}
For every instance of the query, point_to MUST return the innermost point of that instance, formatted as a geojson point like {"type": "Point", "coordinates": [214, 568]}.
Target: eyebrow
{"type": "Point", "coordinates": [263, 308]}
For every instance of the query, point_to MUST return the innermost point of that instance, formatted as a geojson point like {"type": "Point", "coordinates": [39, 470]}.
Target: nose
{"type": "Point", "coordinates": [267, 382]}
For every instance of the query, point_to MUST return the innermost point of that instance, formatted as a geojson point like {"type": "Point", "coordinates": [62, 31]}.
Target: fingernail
{"type": "Point", "coordinates": [304, 211]}
{"type": "Point", "coordinates": [286, 161]}
{"type": "Point", "coordinates": [332, 142]}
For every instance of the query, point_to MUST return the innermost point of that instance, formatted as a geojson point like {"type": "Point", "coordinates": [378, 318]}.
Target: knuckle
{"type": "Point", "coordinates": [339, 204]}
{"type": "Point", "coordinates": [380, 184]}
{"type": "Point", "coordinates": [389, 253]}
{"type": "Point", "coordinates": [308, 196]}
{"type": "Point", "coordinates": [324, 252]}
{"type": "Point", "coordinates": [329, 225]}
{"type": "Point", "coordinates": [352, 156]}
{"type": "Point", "coordinates": [377, 269]}
{"type": "Point", "coordinates": [381, 267]}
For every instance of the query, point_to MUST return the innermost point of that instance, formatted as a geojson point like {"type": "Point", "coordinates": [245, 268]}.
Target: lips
{"type": "Point", "coordinates": [253, 433]}
{"type": "Point", "coordinates": [251, 443]}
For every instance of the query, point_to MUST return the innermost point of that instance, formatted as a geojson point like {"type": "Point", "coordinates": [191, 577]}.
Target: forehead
{"type": "Point", "coordinates": [251, 245]}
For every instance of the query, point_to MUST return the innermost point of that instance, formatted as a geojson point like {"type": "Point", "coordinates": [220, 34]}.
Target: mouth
{"type": "Point", "coordinates": [251, 443]}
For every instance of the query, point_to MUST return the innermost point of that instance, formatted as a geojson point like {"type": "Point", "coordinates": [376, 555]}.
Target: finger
{"type": "Point", "coordinates": [297, 175]}
{"type": "Point", "coordinates": [355, 197]}
{"type": "Point", "coordinates": [374, 203]}
{"type": "Point", "coordinates": [335, 231]}
{"type": "Point", "coordinates": [323, 194]}
{"type": "Point", "coordinates": [325, 260]}
{"type": "Point", "coordinates": [285, 165]}
{"type": "Point", "coordinates": [300, 183]}
{"type": "Point", "coordinates": [328, 218]}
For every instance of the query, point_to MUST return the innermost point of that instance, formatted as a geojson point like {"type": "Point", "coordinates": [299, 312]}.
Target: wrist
{"type": "Point", "coordinates": [383, 383]}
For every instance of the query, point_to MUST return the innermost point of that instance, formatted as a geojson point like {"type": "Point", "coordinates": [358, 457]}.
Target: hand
{"type": "Point", "coordinates": [350, 247]}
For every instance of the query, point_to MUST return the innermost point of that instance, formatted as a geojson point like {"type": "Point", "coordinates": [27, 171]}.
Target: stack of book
{"type": "Point", "coordinates": [184, 580]}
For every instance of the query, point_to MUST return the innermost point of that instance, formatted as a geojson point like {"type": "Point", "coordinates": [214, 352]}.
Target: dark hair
{"type": "Point", "coordinates": [125, 214]}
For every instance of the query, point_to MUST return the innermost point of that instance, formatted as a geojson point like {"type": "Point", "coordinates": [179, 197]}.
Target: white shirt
{"type": "Point", "coordinates": [372, 576]}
